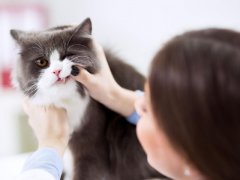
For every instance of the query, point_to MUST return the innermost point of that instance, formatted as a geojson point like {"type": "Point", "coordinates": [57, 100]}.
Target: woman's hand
{"type": "Point", "coordinates": [103, 87]}
{"type": "Point", "coordinates": [50, 125]}
{"type": "Point", "coordinates": [102, 81]}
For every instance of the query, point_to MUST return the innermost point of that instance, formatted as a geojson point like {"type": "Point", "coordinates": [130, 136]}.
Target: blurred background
{"type": "Point", "coordinates": [133, 29]}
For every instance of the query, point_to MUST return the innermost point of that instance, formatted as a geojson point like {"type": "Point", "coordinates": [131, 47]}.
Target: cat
{"type": "Point", "coordinates": [103, 144]}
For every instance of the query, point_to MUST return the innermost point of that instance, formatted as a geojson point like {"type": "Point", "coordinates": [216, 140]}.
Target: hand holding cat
{"type": "Point", "coordinates": [103, 87]}
{"type": "Point", "coordinates": [50, 125]}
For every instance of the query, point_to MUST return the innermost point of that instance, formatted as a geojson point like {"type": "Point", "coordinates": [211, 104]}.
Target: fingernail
{"type": "Point", "coordinates": [75, 71]}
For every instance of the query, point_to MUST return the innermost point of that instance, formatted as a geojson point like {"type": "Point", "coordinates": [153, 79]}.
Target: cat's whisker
{"type": "Point", "coordinates": [37, 49]}
{"type": "Point", "coordinates": [64, 43]}
{"type": "Point", "coordinates": [78, 45]}
{"type": "Point", "coordinates": [70, 39]}
{"type": "Point", "coordinates": [31, 89]}
{"type": "Point", "coordinates": [86, 57]}
{"type": "Point", "coordinates": [38, 44]}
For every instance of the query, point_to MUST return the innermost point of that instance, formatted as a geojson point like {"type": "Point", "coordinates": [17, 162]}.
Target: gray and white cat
{"type": "Point", "coordinates": [103, 144]}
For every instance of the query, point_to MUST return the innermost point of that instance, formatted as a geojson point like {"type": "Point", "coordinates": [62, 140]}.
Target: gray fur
{"type": "Point", "coordinates": [105, 146]}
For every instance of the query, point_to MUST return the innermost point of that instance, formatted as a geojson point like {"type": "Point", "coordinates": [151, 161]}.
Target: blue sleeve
{"type": "Point", "coordinates": [46, 159]}
{"type": "Point", "coordinates": [134, 117]}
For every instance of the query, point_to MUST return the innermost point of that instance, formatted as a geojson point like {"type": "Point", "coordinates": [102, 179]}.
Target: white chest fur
{"type": "Point", "coordinates": [64, 96]}
{"type": "Point", "coordinates": [76, 107]}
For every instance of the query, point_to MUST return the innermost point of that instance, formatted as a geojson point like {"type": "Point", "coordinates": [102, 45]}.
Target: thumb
{"type": "Point", "coordinates": [25, 107]}
{"type": "Point", "coordinates": [81, 75]}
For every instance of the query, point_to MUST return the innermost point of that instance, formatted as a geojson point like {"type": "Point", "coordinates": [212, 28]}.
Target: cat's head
{"type": "Point", "coordinates": [43, 69]}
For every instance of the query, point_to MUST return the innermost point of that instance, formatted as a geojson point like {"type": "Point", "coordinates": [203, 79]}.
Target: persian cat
{"type": "Point", "coordinates": [103, 145]}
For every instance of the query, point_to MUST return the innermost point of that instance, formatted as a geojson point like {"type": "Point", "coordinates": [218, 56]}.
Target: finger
{"type": "Point", "coordinates": [139, 105]}
{"type": "Point", "coordinates": [83, 76]}
{"type": "Point", "coordinates": [58, 110]}
{"type": "Point", "coordinates": [96, 46]}
{"type": "Point", "coordinates": [31, 122]}
{"type": "Point", "coordinates": [98, 49]}
{"type": "Point", "coordinates": [26, 106]}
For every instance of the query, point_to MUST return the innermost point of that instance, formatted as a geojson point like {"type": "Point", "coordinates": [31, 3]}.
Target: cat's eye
{"type": "Point", "coordinates": [42, 63]}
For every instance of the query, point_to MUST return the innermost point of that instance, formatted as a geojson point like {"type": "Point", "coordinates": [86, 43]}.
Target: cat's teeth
{"type": "Point", "coordinates": [62, 80]}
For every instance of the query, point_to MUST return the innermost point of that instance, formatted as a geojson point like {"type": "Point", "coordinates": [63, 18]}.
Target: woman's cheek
{"type": "Point", "coordinates": [139, 129]}
{"type": "Point", "coordinates": [144, 134]}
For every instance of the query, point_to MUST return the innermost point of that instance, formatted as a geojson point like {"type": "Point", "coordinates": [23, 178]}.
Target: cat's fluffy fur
{"type": "Point", "coordinates": [103, 144]}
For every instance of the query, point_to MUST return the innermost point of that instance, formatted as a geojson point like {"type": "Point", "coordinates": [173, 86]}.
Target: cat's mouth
{"type": "Point", "coordinates": [62, 80]}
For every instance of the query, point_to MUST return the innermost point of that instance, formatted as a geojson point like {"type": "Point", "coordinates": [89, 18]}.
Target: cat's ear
{"type": "Point", "coordinates": [85, 27]}
{"type": "Point", "coordinates": [18, 35]}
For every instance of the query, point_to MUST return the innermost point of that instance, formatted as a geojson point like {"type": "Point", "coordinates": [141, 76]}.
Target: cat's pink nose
{"type": "Point", "coordinates": [57, 72]}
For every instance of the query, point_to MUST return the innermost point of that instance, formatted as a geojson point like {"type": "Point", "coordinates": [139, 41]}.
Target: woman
{"type": "Point", "coordinates": [189, 125]}
{"type": "Point", "coordinates": [189, 115]}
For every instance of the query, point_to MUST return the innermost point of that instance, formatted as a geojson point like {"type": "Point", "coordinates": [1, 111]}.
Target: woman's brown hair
{"type": "Point", "coordinates": [195, 94]}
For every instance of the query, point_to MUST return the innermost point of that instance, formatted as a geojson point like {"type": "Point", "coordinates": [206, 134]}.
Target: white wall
{"type": "Point", "coordinates": [10, 106]}
{"type": "Point", "coordinates": [134, 29]}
